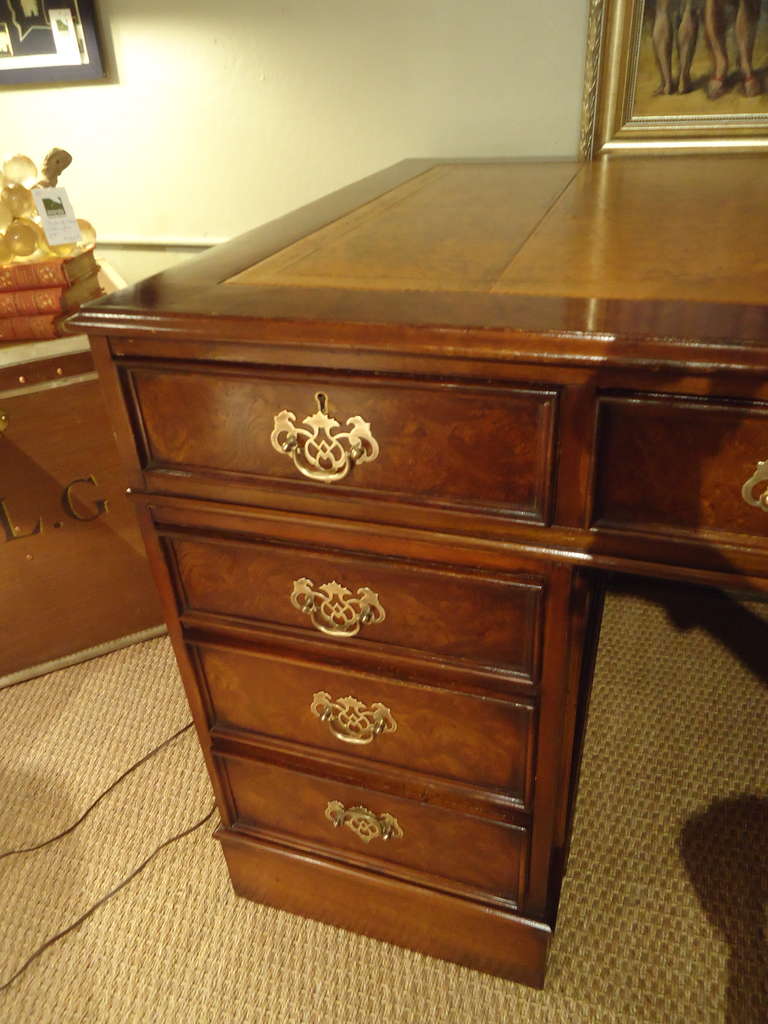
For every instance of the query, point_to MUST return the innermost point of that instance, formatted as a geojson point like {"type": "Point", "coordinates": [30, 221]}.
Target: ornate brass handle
{"type": "Point", "coordinates": [333, 608]}
{"type": "Point", "coordinates": [350, 720]}
{"type": "Point", "coordinates": [758, 477]}
{"type": "Point", "coordinates": [364, 823]}
{"type": "Point", "coordinates": [320, 452]}
{"type": "Point", "coordinates": [3, 421]}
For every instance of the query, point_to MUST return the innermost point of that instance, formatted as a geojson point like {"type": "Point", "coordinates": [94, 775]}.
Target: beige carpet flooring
{"type": "Point", "coordinates": [663, 916]}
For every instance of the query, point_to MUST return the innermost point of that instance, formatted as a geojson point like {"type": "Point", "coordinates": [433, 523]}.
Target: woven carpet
{"type": "Point", "coordinates": [663, 915]}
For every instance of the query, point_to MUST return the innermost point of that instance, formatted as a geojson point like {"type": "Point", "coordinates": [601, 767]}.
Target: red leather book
{"type": "Point", "coordinates": [57, 272]}
{"type": "Point", "coordinates": [29, 328]}
{"type": "Point", "coordinates": [34, 301]}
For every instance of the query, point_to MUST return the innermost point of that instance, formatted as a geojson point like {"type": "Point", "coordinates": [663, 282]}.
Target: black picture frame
{"type": "Point", "coordinates": [31, 38]}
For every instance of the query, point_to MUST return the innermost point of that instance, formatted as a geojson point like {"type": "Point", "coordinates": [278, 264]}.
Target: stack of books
{"type": "Point", "coordinates": [35, 298]}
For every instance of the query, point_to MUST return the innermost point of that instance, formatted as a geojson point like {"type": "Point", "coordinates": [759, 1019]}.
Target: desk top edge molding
{"type": "Point", "coordinates": [541, 324]}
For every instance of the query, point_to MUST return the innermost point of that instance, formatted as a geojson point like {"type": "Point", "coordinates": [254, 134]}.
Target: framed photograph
{"type": "Point", "coordinates": [675, 74]}
{"type": "Point", "coordinates": [48, 41]}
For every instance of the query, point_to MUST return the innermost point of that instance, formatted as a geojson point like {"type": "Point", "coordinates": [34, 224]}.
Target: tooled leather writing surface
{"type": "Point", "coordinates": [454, 228]}
{"type": "Point", "coordinates": [690, 228]}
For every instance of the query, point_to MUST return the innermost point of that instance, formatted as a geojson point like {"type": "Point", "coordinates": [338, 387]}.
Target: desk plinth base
{"type": "Point", "coordinates": [417, 918]}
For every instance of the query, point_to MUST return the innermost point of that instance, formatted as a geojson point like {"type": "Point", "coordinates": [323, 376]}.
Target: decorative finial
{"type": "Point", "coordinates": [55, 162]}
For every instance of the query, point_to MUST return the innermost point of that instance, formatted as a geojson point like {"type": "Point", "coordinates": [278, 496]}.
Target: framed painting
{"type": "Point", "coordinates": [675, 74]}
{"type": "Point", "coordinates": [48, 41]}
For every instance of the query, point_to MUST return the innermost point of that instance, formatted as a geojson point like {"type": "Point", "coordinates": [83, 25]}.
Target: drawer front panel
{"type": "Point", "coordinates": [457, 617]}
{"type": "Point", "coordinates": [479, 740]}
{"type": "Point", "coordinates": [679, 463]}
{"type": "Point", "coordinates": [350, 821]}
{"type": "Point", "coordinates": [443, 444]}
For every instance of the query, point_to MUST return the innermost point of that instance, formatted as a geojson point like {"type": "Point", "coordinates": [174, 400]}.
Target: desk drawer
{"type": "Point", "coordinates": [486, 742]}
{"type": "Point", "coordinates": [675, 463]}
{"type": "Point", "coordinates": [476, 619]}
{"type": "Point", "coordinates": [366, 827]}
{"type": "Point", "coordinates": [440, 444]}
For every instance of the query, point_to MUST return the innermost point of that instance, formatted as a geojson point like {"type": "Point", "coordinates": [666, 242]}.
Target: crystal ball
{"type": "Point", "coordinates": [63, 250]}
{"type": "Point", "coordinates": [43, 247]}
{"type": "Point", "coordinates": [18, 199]}
{"type": "Point", "coordinates": [5, 250]}
{"type": "Point", "coordinates": [20, 169]}
{"type": "Point", "coordinates": [87, 233]}
{"type": "Point", "coordinates": [22, 237]}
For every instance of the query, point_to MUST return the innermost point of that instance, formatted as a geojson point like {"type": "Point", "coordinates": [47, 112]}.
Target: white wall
{"type": "Point", "coordinates": [227, 114]}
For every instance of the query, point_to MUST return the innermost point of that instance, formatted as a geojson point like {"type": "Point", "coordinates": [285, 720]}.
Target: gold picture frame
{"type": "Point", "coordinates": [654, 79]}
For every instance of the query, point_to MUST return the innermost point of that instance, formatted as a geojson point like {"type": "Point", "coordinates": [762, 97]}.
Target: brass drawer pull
{"type": "Point", "coordinates": [319, 452]}
{"type": "Point", "coordinates": [334, 610]}
{"type": "Point", "coordinates": [350, 720]}
{"type": "Point", "coordinates": [758, 477]}
{"type": "Point", "coordinates": [364, 823]}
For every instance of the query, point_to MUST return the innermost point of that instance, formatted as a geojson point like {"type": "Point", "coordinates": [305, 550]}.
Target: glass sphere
{"type": "Point", "coordinates": [43, 248]}
{"type": "Point", "coordinates": [18, 199]}
{"type": "Point", "coordinates": [20, 169]}
{"type": "Point", "coordinates": [62, 250]}
{"type": "Point", "coordinates": [5, 217]}
{"type": "Point", "coordinates": [5, 251]}
{"type": "Point", "coordinates": [87, 234]}
{"type": "Point", "coordinates": [22, 237]}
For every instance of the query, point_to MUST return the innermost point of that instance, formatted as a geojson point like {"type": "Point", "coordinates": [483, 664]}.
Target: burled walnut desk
{"type": "Point", "coordinates": [378, 449]}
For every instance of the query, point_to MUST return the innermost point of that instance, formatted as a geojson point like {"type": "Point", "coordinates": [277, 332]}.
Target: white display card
{"type": "Point", "coordinates": [57, 216]}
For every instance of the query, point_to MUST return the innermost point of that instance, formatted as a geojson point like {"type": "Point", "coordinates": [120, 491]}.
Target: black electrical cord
{"type": "Point", "coordinates": [91, 910]}
{"type": "Point", "coordinates": [47, 842]}
{"type": "Point", "coordinates": [97, 801]}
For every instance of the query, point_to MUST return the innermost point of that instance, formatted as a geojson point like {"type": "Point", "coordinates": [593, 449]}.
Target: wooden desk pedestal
{"type": "Point", "coordinates": [379, 450]}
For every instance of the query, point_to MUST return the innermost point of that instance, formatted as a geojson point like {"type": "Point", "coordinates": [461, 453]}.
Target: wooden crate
{"type": "Point", "coordinates": [74, 571]}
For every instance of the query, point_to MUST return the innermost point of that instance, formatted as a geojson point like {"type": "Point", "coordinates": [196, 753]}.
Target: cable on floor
{"type": "Point", "coordinates": [84, 917]}
{"type": "Point", "coordinates": [97, 801]}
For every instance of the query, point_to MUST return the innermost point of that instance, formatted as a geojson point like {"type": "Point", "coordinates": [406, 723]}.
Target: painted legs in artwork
{"type": "Point", "coordinates": [663, 34]}
{"type": "Point", "coordinates": [746, 28]}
